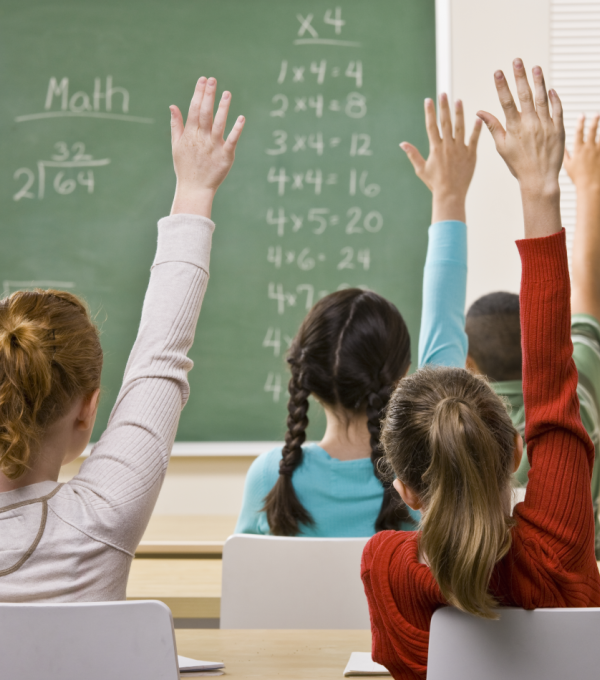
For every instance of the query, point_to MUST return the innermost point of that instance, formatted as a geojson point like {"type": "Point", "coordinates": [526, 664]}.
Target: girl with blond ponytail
{"type": "Point", "coordinates": [451, 447]}
{"type": "Point", "coordinates": [75, 542]}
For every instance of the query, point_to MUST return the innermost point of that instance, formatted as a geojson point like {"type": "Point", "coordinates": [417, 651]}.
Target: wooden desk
{"type": "Point", "coordinates": [186, 534]}
{"type": "Point", "coordinates": [288, 654]}
{"type": "Point", "coordinates": [190, 588]}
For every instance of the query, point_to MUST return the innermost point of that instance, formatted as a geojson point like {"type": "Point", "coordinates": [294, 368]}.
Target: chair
{"type": "Point", "coordinates": [274, 582]}
{"type": "Point", "coordinates": [543, 644]}
{"type": "Point", "coordinates": [96, 641]}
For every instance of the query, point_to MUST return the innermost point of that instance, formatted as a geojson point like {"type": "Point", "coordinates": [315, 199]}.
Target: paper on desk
{"type": "Point", "coordinates": [361, 664]}
{"type": "Point", "coordinates": [192, 668]}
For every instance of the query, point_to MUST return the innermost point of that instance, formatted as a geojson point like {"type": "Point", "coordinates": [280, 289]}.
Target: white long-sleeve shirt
{"type": "Point", "coordinates": [94, 522]}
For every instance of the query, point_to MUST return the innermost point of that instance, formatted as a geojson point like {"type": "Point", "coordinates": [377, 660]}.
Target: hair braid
{"type": "Point", "coordinates": [393, 509]}
{"type": "Point", "coordinates": [284, 510]}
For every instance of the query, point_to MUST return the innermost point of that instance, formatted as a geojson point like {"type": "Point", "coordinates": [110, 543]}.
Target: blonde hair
{"type": "Point", "coordinates": [449, 437]}
{"type": "Point", "coordinates": [50, 355]}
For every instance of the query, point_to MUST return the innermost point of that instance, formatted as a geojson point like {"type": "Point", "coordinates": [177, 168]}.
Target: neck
{"type": "Point", "coordinates": [45, 467]}
{"type": "Point", "coordinates": [61, 443]}
{"type": "Point", "coordinates": [346, 436]}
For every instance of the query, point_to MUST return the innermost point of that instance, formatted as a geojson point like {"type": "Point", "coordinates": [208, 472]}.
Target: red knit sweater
{"type": "Point", "coordinates": [551, 562]}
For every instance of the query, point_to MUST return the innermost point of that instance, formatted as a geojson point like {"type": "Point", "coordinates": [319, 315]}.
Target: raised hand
{"type": "Point", "coordinates": [532, 146]}
{"type": "Point", "coordinates": [449, 168]}
{"type": "Point", "coordinates": [201, 156]}
{"type": "Point", "coordinates": [583, 165]}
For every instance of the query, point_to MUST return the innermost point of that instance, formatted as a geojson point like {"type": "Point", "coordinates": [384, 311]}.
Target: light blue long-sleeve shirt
{"type": "Point", "coordinates": [443, 341]}
{"type": "Point", "coordinates": [344, 497]}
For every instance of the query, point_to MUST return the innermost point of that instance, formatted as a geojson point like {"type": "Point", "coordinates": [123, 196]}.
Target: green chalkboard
{"type": "Point", "coordinates": [320, 196]}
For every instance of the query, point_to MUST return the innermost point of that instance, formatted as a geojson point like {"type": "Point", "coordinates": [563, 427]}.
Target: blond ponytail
{"type": "Point", "coordinates": [449, 438]}
{"type": "Point", "coordinates": [50, 355]}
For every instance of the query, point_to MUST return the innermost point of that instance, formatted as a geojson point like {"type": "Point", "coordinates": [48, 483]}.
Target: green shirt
{"type": "Point", "coordinates": [585, 334]}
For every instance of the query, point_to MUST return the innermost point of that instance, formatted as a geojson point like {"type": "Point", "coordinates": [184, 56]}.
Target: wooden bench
{"type": "Point", "coordinates": [186, 535]}
{"type": "Point", "coordinates": [191, 588]}
{"type": "Point", "coordinates": [281, 654]}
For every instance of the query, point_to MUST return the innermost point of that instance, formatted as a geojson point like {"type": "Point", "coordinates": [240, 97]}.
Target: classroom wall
{"type": "Point", "coordinates": [483, 37]}
{"type": "Point", "coordinates": [486, 36]}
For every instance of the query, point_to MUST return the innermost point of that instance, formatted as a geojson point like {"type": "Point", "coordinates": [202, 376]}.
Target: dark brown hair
{"type": "Point", "coordinates": [449, 438]}
{"type": "Point", "coordinates": [493, 327]}
{"type": "Point", "coordinates": [350, 351]}
{"type": "Point", "coordinates": [50, 355]}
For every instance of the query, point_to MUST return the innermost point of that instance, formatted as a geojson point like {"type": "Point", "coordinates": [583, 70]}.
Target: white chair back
{"type": "Point", "coordinates": [96, 641]}
{"type": "Point", "coordinates": [274, 582]}
{"type": "Point", "coordinates": [543, 644]}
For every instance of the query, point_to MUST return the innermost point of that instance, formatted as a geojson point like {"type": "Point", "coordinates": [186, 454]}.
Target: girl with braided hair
{"type": "Point", "coordinates": [350, 352]}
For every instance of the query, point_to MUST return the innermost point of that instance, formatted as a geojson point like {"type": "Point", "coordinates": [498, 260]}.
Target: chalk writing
{"type": "Point", "coordinates": [75, 157]}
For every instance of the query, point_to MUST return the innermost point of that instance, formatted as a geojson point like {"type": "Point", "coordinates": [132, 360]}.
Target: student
{"type": "Point", "coordinates": [350, 352]}
{"type": "Point", "coordinates": [453, 448]}
{"type": "Point", "coordinates": [493, 325]}
{"type": "Point", "coordinates": [75, 542]}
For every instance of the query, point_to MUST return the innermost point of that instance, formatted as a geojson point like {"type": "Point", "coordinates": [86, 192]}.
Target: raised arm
{"type": "Point", "coordinates": [447, 173]}
{"type": "Point", "coordinates": [583, 166]}
{"type": "Point", "coordinates": [557, 505]}
{"type": "Point", "coordinates": [120, 481]}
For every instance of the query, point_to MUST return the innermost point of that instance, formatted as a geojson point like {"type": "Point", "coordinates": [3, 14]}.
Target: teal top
{"type": "Point", "coordinates": [343, 496]}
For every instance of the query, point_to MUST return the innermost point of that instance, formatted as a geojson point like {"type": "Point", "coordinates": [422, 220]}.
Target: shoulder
{"type": "Point", "coordinates": [383, 544]}
{"type": "Point", "coordinates": [264, 470]}
{"type": "Point", "coordinates": [585, 324]}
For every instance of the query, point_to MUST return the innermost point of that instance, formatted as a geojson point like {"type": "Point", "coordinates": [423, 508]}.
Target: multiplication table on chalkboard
{"type": "Point", "coordinates": [320, 197]}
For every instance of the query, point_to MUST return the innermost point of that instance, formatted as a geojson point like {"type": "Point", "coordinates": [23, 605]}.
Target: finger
{"type": "Point", "coordinates": [208, 105]}
{"type": "Point", "coordinates": [541, 97]}
{"type": "Point", "coordinates": [473, 141]}
{"type": "Point", "coordinates": [494, 126]}
{"type": "Point", "coordinates": [579, 129]}
{"type": "Point", "coordinates": [176, 124]}
{"type": "Point", "coordinates": [218, 129]}
{"type": "Point", "coordinates": [414, 156]}
{"type": "Point", "coordinates": [194, 112]}
{"type": "Point", "coordinates": [506, 100]}
{"type": "Point", "coordinates": [445, 117]}
{"type": "Point", "coordinates": [523, 89]}
{"type": "Point", "coordinates": [235, 133]}
{"type": "Point", "coordinates": [459, 122]}
{"type": "Point", "coordinates": [592, 131]}
{"type": "Point", "coordinates": [557, 112]}
{"type": "Point", "coordinates": [567, 162]}
{"type": "Point", "coordinates": [431, 124]}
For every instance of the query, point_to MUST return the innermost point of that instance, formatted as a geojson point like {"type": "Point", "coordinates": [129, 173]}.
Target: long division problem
{"type": "Point", "coordinates": [322, 219]}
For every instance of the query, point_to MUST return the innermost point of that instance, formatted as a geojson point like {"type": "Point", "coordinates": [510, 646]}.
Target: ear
{"type": "Point", "coordinates": [87, 414]}
{"type": "Point", "coordinates": [471, 365]}
{"type": "Point", "coordinates": [518, 451]}
{"type": "Point", "coordinates": [408, 495]}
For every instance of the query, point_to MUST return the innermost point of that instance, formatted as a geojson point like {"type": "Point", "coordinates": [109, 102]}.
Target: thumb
{"type": "Point", "coordinates": [418, 162]}
{"type": "Point", "coordinates": [176, 124]}
{"type": "Point", "coordinates": [494, 126]}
